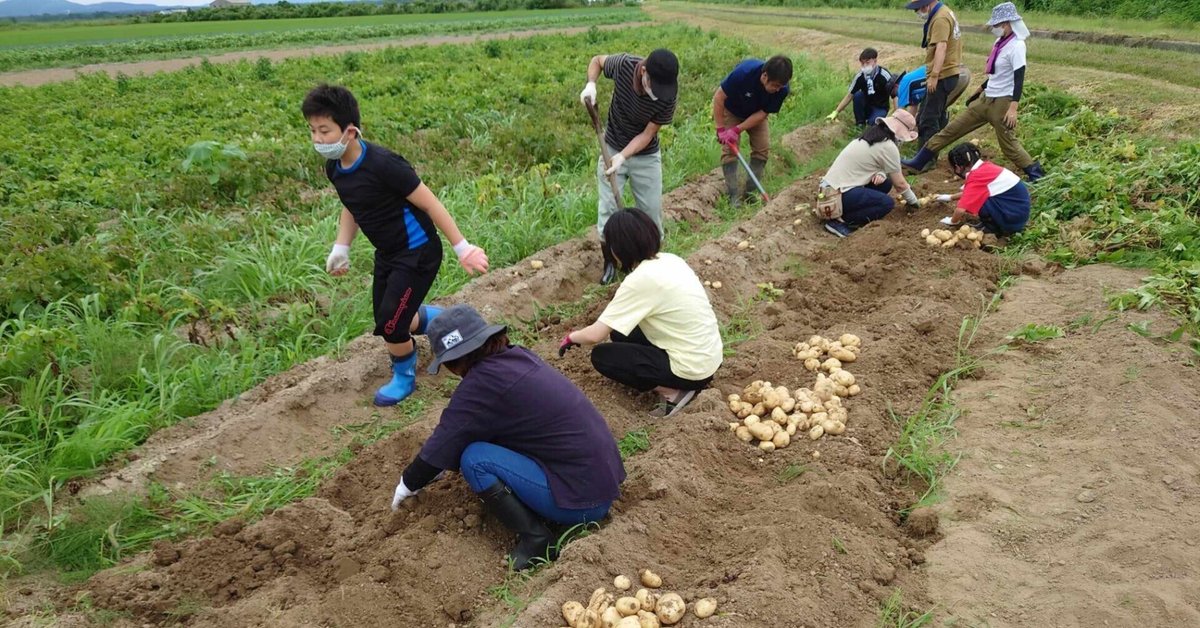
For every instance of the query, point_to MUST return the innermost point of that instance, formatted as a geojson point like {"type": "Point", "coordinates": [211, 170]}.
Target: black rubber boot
{"type": "Point", "coordinates": [759, 168]}
{"type": "Point", "coordinates": [730, 170]}
{"type": "Point", "coordinates": [610, 265]}
{"type": "Point", "coordinates": [534, 539]}
{"type": "Point", "coordinates": [1034, 172]}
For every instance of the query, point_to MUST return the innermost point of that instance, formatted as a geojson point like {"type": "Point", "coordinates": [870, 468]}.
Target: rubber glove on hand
{"type": "Point", "coordinates": [471, 257]}
{"type": "Point", "coordinates": [942, 198]}
{"type": "Point", "coordinates": [402, 493]}
{"type": "Point", "coordinates": [566, 345]}
{"type": "Point", "coordinates": [588, 95]}
{"type": "Point", "coordinates": [910, 197]}
{"type": "Point", "coordinates": [618, 160]}
{"type": "Point", "coordinates": [831, 117]}
{"type": "Point", "coordinates": [338, 261]}
{"type": "Point", "coordinates": [730, 136]}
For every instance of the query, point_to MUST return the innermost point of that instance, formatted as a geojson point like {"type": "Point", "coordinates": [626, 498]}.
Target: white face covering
{"type": "Point", "coordinates": [336, 149]}
{"type": "Point", "coordinates": [868, 70]}
{"type": "Point", "coordinates": [924, 15]}
{"type": "Point", "coordinates": [646, 86]}
{"type": "Point", "coordinates": [997, 31]}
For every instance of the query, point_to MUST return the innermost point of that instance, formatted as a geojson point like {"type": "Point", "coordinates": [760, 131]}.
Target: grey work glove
{"type": "Point", "coordinates": [910, 197]}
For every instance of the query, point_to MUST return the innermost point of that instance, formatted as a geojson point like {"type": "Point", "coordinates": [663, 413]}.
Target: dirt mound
{"type": "Point", "coordinates": [1075, 501]}
{"type": "Point", "coordinates": [709, 513]}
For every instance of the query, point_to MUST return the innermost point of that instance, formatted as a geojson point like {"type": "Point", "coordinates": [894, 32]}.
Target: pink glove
{"type": "Point", "coordinates": [730, 136]}
{"type": "Point", "coordinates": [471, 257]}
{"type": "Point", "coordinates": [566, 344]}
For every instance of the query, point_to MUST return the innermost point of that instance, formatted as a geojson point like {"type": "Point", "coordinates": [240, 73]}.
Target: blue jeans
{"type": "Point", "coordinates": [1007, 213]}
{"type": "Point", "coordinates": [864, 114]}
{"type": "Point", "coordinates": [484, 464]}
{"type": "Point", "coordinates": [863, 204]}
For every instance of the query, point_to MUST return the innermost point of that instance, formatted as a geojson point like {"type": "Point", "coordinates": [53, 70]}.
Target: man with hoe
{"type": "Point", "coordinates": [643, 101]}
{"type": "Point", "coordinates": [752, 91]}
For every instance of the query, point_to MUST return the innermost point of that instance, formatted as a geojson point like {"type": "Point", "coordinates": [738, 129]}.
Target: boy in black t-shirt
{"type": "Point", "coordinates": [869, 90]}
{"type": "Point", "coordinates": [384, 197]}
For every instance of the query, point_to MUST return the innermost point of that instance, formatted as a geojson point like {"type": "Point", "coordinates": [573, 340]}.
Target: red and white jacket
{"type": "Point", "coordinates": [985, 180]}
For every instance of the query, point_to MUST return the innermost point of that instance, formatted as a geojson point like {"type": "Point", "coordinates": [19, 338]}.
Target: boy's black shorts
{"type": "Point", "coordinates": [402, 281]}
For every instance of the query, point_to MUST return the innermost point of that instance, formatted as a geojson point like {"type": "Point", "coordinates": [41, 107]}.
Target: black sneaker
{"type": "Point", "coordinates": [837, 228]}
{"type": "Point", "coordinates": [670, 408]}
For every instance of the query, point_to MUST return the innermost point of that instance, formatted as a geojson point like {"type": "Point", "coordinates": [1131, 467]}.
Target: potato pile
{"type": "Point", "coordinates": [645, 609]}
{"type": "Point", "coordinates": [822, 354]}
{"type": "Point", "coordinates": [966, 237]}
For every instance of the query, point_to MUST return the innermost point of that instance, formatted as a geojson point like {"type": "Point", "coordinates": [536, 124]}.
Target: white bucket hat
{"type": "Point", "coordinates": [1007, 12]}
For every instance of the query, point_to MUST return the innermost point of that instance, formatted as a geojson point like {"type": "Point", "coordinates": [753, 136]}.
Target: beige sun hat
{"type": "Point", "coordinates": [902, 124]}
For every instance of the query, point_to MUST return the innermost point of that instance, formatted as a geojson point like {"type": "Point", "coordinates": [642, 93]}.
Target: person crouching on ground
{"type": "Point", "coordinates": [993, 195]}
{"type": "Point", "coordinates": [664, 332]}
{"type": "Point", "coordinates": [855, 189]}
{"type": "Point", "coordinates": [742, 102]}
{"type": "Point", "coordinates": [382, 195]}
{"type": "Point", "coordinates": [868, 90]}
{"type": "Point", "coordinates": [525, 438]}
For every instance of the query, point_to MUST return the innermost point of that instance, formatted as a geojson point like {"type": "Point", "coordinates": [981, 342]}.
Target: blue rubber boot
{"type": "Point", "coordinates": [404, 376]}
{"type": "Point", "coordinates": [425, 314]}
{"type": "Point", "coordinates": [1034, 172]}
{"type": "Point", "coordinates": [920, 162]}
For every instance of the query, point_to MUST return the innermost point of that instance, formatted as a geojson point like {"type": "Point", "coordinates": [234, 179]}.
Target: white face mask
{"type": "Point", "coordinates": [924, 15]}
{"type": "Point", "coordinates": [997, 31]}
{"type": "Point", "coordinates": [334, 150]}
{"type": "Point", "coordinates": [646, 86]}
{"type": "Point", "coordinates": [868, 70]}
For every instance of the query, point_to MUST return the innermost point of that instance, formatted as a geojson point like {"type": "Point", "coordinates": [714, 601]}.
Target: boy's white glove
{"type": "Point", "coordinates": [588, 95]}
{"type": "Point", "coordinates": [402, 493]}
{"type": "Point", "coordinates": [617, 161]}
{"type": "Point", "coordinates": [910, 197]}
{"type": "Point", "coordinates": [471, 258]}
{"type": "Point", "coordinates": [942, 198]}
{"type": "Point", "coordinates": [338, 261]}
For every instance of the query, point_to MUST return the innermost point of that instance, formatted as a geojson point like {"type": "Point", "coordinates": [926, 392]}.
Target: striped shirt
{"type": "Point", "coordinates": [630, 111]}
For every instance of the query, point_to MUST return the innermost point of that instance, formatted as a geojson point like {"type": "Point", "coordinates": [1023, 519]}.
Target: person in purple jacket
{"type": "Point", "coordinates": [525, 438]}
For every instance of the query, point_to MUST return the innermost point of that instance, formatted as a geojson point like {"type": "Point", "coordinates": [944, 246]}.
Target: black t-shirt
{"type": "Point", "coordinates": [375, 190]}
{"type": "Point", "coordinates": [875, 88]}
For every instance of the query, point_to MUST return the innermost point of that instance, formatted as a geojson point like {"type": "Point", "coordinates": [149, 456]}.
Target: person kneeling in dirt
{"type": "Point", "coordinates": [993, 195]}
{"type": "Point", "coordinates": [664, 332]}
{"type": "Point", "coordinates": [855, 189]}
{"type": "Point", "coordinates": [525, 438]}
{"type": "Point", "coordinates": [742, 102]}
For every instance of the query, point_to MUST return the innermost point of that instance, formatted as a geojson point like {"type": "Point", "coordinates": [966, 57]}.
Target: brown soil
{"type": "Point", "coordinates": [1075, 503]}
{"type": "Point", "coordinates": [706, 511]}
{"type": "Point", "coordinates": [42, 76]}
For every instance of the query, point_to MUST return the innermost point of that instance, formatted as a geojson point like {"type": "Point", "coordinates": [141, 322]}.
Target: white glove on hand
{"type": "Point", "coordinates": [588, 95]}
{"type": "Point", "coordinates": [402, 493]}
{"type": "Point", "coordinates": [471, 258]}
{"type": "Point", "coordinates": [910, 197]}
{"type": "Point", "coordinates": [618, 160]}
{"type": "Point", "coordinates": [338, 261]}
{"type": "Point", "coordinates": [942, 198]}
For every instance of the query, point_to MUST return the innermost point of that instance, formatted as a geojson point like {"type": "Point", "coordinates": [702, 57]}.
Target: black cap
{"type": "Point", "coordinates": [456, 332]}
{"type": "Point", "coordinates": [663, 69]}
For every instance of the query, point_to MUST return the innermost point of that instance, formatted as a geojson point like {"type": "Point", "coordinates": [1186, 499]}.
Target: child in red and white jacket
{"type": "Point", "coordinates": [992, 195]}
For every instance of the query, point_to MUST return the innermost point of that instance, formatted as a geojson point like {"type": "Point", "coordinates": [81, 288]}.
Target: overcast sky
{"type": "Point", "coordinates": [193, 3]}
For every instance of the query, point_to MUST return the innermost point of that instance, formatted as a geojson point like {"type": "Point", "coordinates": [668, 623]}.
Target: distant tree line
{"type": "Point", "coordinates": [1184, 12]}
{"type": "Point", "coordinates": [285, 9]}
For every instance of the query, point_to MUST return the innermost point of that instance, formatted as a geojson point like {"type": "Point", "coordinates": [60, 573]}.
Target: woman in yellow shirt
{"type": "Point", "coordinates": [663, 329]}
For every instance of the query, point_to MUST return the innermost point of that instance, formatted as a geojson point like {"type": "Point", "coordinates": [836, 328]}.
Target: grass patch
{"type": "Point", "coordinates": [839, 546]}
{"type": "Point", "coordinates": [634, 442]}
{"type": "Point", "coordinates": [894, 614]}
{"type": "Point", "coordinates": [791, 472]}
{"type": "Point", "coordinates": [1034, 333]}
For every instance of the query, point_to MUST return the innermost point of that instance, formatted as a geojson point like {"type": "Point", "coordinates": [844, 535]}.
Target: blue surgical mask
{"type": "Point", "coordinates": [334, 150]}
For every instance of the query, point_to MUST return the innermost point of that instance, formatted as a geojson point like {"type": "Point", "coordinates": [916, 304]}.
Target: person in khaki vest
{"type": "Point", "coordinates": [942, 40]}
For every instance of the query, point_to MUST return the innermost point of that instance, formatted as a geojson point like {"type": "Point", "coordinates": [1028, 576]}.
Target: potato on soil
{"type": "Point", "coordinates": [779, 416]}
{"type": "Point", "coordinates": [854, 390]}
{"type": "Point", "coordinates": [816, 432]}
{"type": "Point", "coordinates": [599, 601]}
{"type": "Point", "coordinates": [705, 608]}
{"type": "Point", "coordinates": [752, 419]}
{"type": "Point", "coordinates": [647, 598]}
{"type": "Point", "coordinates": [767, 446]}
{"type": "Point", "coordinates": [925, 233]}
{"type": "Point", "coordinates": [627, 606]}
{"type": "Point", "coordinates": [611, 618]}
{"type": "Point", "coordinates": [537, 264]}
{"type": "Point", "coordinates": [647, 619]}
{"type": "Point", "coordinates": [572, 611]}
{"type": "Point", "coordinates": [831, 364]}
{"type": "Point", "coordinates": [760, 431]}
{"type": "Point", "coordinates": [630, 622]}
{"type": "Point", "coordinates": [743, 434]}
{"type": "Point", "coordinates": [670, 609]}
{"type": "Point", "coordinates": [843, 355]}
{"type": "Point", "coordinates": [943, 235]}
{"type": "Point", "coordinates": [781, 439]}
{"type": "Point", "coordinates": [837, 428]}
{"type": "Point", "coordinates": [650, 579]}
{"type": "Point", "coordinates": [933, 241]}
{"type": "Point", "coordinates": [812, 364]}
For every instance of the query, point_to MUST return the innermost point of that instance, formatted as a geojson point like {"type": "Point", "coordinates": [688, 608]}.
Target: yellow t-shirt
{"type": "Point", "coordinates": [944, 28]}
{"type": "Point", "coordinates": [664, 297]}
